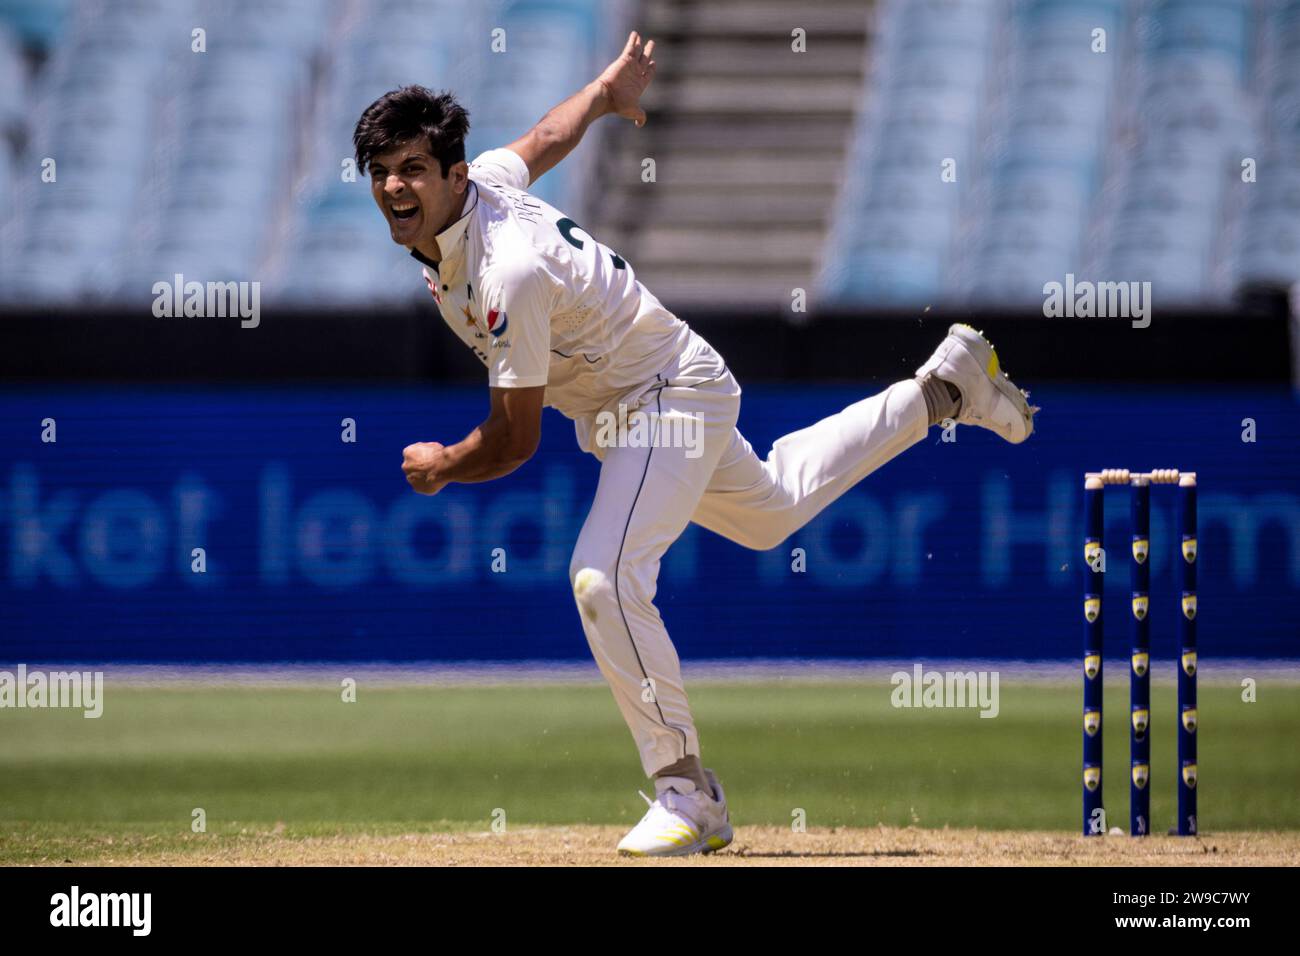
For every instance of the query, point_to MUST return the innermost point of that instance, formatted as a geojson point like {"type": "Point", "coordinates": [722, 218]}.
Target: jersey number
{"type": "Point", "coordinates": [567, 226]}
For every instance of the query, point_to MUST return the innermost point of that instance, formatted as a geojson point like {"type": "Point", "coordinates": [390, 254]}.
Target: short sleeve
{"type": "Point", "coordinates": [518, 300]}
{"type": "Point", "coordinates": [500, 167]}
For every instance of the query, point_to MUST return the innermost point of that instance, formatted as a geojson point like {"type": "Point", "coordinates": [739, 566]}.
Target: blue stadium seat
{"type": "Point", "coordinates": [13, 79]}
{"type": "Point", "coordinates": [38, 24]}
{"type": "Point", "coordinates": [907, 190]}
{"type": "Point", "coordinates": [1018, 278]}
{"type": "Point", "coordinates": [1029, 234]}
{"type": "Point", "coordinates": [1284, 109]}
{"type": "Point", "coordinates": [1214, 28]}
{"type": "Point", "coordinates": [1078, 75]}
{"type": "Point", "coordinates": [1175, 277]}
{"type": "Point", "coordinates": [889, 279]}
{"type": "Point", "coordinates": [907, 230]}
{"type": "Point", "coordinates": [948, 70]}
{"type": "Point", "coordinates": [942, 23]}
{"type": "Point", "coordinates": [1062, 199]}
{"type": "Point", "coordinates": [909, 141]}
{"type": "Point", "coordinates": [1169, 240]}
{"type": "Point", "coordinates": [1065, 25]}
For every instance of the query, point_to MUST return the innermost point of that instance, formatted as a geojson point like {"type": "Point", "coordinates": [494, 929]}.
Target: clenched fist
{"type": "Point", "coordinates": [421, 463]}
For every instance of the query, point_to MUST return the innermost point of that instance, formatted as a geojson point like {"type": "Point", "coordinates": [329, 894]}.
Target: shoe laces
{"type": "Point", "coordinates": [671, 801]}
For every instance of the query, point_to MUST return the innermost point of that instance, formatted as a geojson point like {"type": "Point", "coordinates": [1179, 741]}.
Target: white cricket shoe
{"type": "Point", "coordinates": [988, 398]}
{"type": "Point", "coordinates": [678, 824]}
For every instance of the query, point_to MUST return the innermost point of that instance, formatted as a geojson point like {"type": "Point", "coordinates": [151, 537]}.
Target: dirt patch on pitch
{"type": "Point", "coordinates": [754, 846]}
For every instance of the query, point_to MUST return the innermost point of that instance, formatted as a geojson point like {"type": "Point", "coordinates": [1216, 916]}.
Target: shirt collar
{"type": "Point", "coordinates": [449, 239]}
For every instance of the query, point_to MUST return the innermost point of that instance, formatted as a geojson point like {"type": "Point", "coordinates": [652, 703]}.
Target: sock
{"type": "Point", "coordinates": [942, 399]}
{"type": "Point", "coordinates": [688, 768]}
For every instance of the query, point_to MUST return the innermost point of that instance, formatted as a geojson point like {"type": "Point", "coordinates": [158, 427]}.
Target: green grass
{"type": "Point", "coordinates": [424, 758]}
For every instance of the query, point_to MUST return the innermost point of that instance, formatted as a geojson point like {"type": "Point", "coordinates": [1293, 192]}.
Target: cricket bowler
{"type": "Point", "coordinates": [559, 319]}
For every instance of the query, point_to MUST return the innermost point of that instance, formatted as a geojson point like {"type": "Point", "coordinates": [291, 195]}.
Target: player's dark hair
{"type": "Point", "coordinates": [412, 113]}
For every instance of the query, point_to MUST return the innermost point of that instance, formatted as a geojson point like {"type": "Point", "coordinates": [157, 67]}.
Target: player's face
{"type": "Point", "coordinates": [413, 195]}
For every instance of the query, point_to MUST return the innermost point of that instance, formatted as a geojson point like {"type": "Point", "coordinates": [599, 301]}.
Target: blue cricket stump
{"type": "Point", "coordinates": [1094, 818]}
{"type": "Point", "coordinates": [1187, 721]}
{"type": "Point", "coordinates": [1139, 677]}
{"type": "Point", "coordinates": [1139, 483]}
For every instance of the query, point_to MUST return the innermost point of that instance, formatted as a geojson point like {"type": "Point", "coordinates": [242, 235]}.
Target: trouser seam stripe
{"type": "Point", "coordinates": [618, 564]}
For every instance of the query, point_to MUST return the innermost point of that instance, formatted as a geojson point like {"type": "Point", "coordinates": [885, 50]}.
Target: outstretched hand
{"type": "Point", "coordinates": [626, 78]}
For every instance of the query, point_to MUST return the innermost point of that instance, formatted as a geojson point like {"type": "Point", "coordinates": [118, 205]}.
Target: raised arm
{"type": "Point", "coordinates": [617, 90]}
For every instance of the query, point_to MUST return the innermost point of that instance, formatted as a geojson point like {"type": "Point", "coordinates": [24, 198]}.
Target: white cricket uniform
{"type": "Point", "coordinates": [542, 303]}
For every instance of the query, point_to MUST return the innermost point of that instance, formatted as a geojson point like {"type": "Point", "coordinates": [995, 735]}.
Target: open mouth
{"type": "Point", "coordinates": [403, 211]}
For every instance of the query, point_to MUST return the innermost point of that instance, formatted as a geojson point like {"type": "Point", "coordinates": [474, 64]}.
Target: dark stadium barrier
{"type": "Point", "coordinates": [1250, 344]}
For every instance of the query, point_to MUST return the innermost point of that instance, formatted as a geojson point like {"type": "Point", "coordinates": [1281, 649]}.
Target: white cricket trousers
{"type": "Point", "coordinates": [648, 491]}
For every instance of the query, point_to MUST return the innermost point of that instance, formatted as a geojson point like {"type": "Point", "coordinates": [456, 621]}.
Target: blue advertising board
{"type": "Point", "coordinates": [314, 548]}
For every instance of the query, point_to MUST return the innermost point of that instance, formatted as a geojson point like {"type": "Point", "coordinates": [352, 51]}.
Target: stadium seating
{"type": "Point", "coordinates": [1125, 165]}
{"type": "Point", "coordinates": [229, 164]}
{"type": "Point", "coordinates": [38, 23]}
{"type": "Point", "coordinates": [891, 245]}
{"type": "Point", "coordinates": [997, 147]}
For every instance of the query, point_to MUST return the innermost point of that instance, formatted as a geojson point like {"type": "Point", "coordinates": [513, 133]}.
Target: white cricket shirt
{"type": "Point", "coordinates": [542, 303]}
